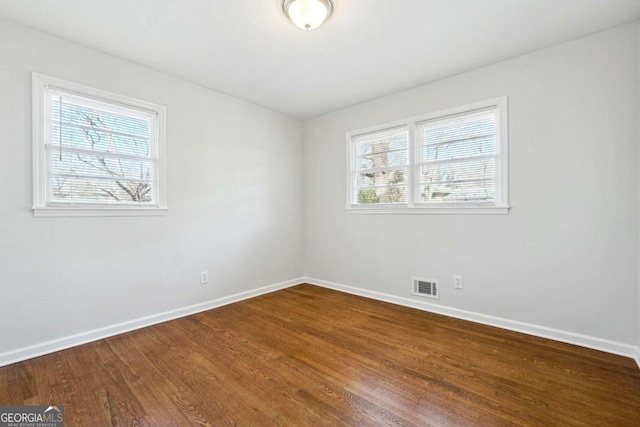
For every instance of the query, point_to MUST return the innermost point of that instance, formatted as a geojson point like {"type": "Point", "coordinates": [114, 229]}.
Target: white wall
{"type": "Point", "coordinates": [566, 255]}
{"type": "Point", "coordinates": [234, 193]}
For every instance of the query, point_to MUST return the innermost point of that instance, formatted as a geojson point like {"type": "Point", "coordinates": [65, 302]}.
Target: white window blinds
{"type": "Point", "coordinates": [459, 156]}
{"type": "Point", "coordinates": [381, 166]}
{"type": "Point", "coordinates": [99, 152]}
{"type": "Point", "coordinates": [451, 161]}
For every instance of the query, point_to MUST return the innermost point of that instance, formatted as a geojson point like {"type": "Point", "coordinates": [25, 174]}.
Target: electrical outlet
{"type": "Point", "coordinates": [204, 277]}
{"type": "Point", "coordinates": [457, 282]}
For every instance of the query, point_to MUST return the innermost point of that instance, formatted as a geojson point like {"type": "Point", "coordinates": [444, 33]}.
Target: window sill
{"type": "Point", "coordinates": [66, 211]}
{"type": "Point", "coordinates": [431, 210]}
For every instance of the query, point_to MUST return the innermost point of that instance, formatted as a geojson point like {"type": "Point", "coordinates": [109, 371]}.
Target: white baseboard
{"type": "Point", "coordinates": [25, 353]}
{"type": "Point", "coordinates": [512, 325]}
{"type": "Point", "coordinates": [18, 355]}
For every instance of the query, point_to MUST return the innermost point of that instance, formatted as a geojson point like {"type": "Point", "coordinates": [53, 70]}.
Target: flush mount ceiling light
{"type": "Point", "coordinates": [307, 14]}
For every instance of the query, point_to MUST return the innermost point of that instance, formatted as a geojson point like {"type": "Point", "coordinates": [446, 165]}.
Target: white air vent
{"type": "Point", "coordinates": [426, 288]}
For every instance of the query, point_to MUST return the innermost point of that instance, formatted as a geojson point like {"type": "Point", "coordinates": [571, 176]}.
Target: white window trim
{"type": "Point", "coordinates": [41, 207]}
{"type": "Point", "coordinates": [501, 204]}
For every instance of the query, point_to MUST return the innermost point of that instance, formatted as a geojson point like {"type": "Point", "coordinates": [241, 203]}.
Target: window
{"type": "Point", "coordinates": [96, 153]}
{"type": "Point", "coordinates": [453, 161]}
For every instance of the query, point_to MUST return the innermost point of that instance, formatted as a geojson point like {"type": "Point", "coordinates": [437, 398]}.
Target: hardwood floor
{"type": "Point", "coordinates": [308, 356]}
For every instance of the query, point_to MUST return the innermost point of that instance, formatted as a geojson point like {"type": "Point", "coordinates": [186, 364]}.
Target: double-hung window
{"type": "Point", "coordinates": [96, 153]}
{"type": "Point", "coordinates": [453, 161]}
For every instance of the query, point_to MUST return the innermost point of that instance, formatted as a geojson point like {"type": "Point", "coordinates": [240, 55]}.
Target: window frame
{"type": "Point", "coordinates": [500, 204]}
{"type": "Point", "coordinates": [43, 206]}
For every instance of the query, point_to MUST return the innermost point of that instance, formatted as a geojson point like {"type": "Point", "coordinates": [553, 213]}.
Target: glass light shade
{"type": "Point", "coordinates": [307, 14]}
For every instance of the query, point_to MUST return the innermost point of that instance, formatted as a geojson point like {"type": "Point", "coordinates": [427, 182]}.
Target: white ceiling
{"type": "Point", "coordinates": [368, 48]}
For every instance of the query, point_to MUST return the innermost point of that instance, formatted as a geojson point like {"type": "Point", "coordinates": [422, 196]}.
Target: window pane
{"type": "Point", "coordinates": [92, 129]}
{"type": "Point", "coordinates": [74, 163]}
{"type": "Point", "coordinates": [469, 126]}
{"type": "Point", "coordinates": [96, 139]}
{"type": "Point", "coordinates": [383, 160]}
{"type": "Point", "coordinates": [375, 179]}
{"type": "Point", "coordinates": [74, 112]}
{"type": "Point", "coordinates": [476, 169]}
{"type": "Point", "coordinates": [458, 191]}
{"type": "Point", "coordinates": [382, 195]}
{"type": "Point", "coordinates": [381, 141]}
{"type": "Point", "coordinates": [480, 146]}
{"type": "Point", "coordinates": [95, 189]}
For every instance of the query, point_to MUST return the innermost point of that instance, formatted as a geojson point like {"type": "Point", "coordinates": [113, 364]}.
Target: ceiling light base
{"type": "Point", "coordinates": [307, 14]}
